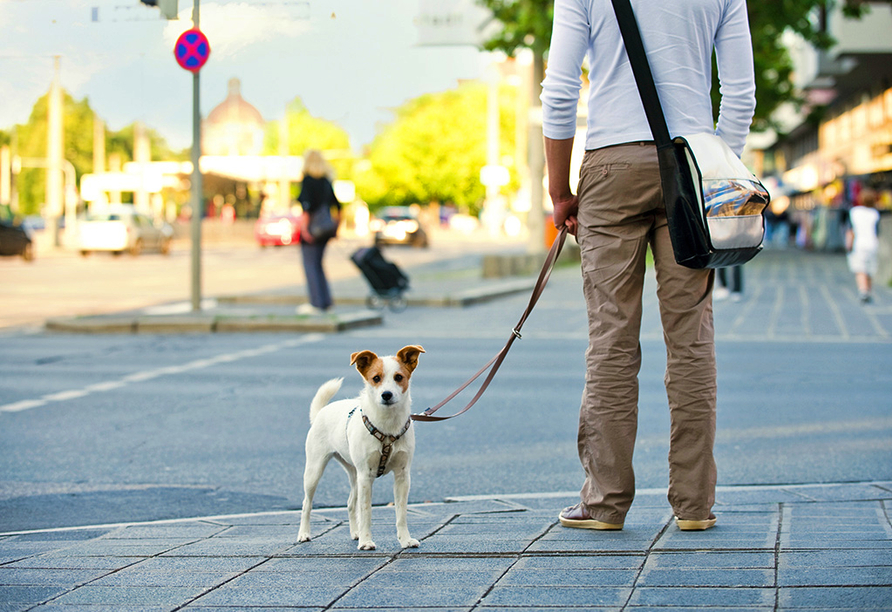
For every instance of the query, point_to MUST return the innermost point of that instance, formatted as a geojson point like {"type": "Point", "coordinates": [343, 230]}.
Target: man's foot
{"type": "Point", "coordinates": [689, 525]}
{"type": "Point", "coordinates": [577, 517]}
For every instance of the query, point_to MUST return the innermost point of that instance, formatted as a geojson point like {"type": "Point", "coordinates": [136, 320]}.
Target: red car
{"type": "Point", "coordinates": [277, 230]}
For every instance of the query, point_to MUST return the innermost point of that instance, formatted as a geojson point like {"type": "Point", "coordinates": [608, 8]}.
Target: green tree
{"type": "Point", "coordinates": [525, 24]}
{"type": "Point", "coordinates": [859, 8]}
{"type": "Point", "coordinates": [308, 132]}
{"type": "Point", "coordinates": [435, 148]}
{"type": "Point", "coordinates": [773, 65]}
{"type": "Point", "coordinates": [31, 142]}
{"type": "Point", "coordinates": [122, 143]}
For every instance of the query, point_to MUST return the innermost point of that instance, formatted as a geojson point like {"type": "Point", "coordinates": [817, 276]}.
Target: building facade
{"type": "Point", "coordinates": [841, 141]}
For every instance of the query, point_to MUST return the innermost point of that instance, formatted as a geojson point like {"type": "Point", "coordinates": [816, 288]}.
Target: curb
{"type": "Point", "coordinates": [213, 323]}
{"type": "Point", "coordinates": [459, 299]}
{"type": "Point", "coordinates": [205, 323]}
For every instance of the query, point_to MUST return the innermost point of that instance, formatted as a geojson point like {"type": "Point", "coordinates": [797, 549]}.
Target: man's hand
{"type": "Point", "coordinates": [565, 211]}
{"type": "Point", "coordinates": [557, 160]}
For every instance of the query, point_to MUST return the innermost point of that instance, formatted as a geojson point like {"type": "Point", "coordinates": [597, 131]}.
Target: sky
{"type": "Point", "coordinates": [350, 61]}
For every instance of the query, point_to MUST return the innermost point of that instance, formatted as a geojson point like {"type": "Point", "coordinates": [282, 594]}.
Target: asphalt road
{"type": "Point", "coordinates": [154, 427]}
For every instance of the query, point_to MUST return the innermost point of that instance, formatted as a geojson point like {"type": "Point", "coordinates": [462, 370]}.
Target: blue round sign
{"type": "Point", "coordinates": [192, 50]}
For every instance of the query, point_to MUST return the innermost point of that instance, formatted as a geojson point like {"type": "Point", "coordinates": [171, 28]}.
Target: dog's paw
{"type": "Point", "coordinates": [303, 537]}
{"type": "Point", "coordinates": [369, 545]}
{"type": "Point", "coordinates": [409, 543]}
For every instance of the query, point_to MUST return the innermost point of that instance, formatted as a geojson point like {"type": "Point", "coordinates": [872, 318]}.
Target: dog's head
{"type": "Point", "coordinates": [387, 378]}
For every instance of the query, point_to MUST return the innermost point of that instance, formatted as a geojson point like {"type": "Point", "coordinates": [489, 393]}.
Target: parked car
{"type": "Point", "coordinates": [121, 228]}
{"type": "Point", "coordinates": [398, 225]}
{"type": "Point", "coordinates": [277, 230]}
{"type": "Point", "coordinates": [15, 240]}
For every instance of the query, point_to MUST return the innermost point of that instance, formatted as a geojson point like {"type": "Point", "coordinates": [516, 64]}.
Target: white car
{"type": "Point", "coordinates": [121, 228]}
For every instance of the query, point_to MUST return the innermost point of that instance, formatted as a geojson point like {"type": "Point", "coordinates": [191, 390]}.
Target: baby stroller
{"type": "Point", "coordinates": [387, 281]}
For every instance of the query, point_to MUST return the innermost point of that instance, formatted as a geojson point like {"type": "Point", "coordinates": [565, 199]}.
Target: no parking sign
{"type": "Point", "coordinates": [192, 50]}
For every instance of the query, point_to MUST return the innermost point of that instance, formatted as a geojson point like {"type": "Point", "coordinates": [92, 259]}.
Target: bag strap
{"type": "Point", "coordinates": [628, 26]}
{"type": "Point", "coordinates": [496, 362]}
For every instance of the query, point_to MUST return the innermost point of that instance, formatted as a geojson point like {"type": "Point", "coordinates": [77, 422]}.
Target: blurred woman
{"type": "Point", "coordinates": [317, 199]}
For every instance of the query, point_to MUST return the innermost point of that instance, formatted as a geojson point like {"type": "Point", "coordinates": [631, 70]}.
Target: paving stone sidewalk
{"type": "Point", "coordinates": [806, 547]}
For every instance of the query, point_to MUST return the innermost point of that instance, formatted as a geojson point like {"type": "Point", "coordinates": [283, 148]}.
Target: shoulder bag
{"type": "Point", "coordinates": [714, 205]}
{"type": "Point", "coordinates": [322, 224]}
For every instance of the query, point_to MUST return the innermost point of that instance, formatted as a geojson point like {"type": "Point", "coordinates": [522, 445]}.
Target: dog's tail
{"type": "Point", "coordinates": [323, 396]}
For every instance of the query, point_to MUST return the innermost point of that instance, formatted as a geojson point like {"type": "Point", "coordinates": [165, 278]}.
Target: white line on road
{"type": "Point", "coordinates": [145, 375]}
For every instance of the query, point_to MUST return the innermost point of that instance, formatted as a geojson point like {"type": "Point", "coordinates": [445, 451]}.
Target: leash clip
{"type": "Point", "coordinates": [517, 334]}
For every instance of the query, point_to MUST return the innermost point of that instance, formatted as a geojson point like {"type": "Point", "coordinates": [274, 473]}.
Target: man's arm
{"type": "Point", "coordinates": [557, 159]}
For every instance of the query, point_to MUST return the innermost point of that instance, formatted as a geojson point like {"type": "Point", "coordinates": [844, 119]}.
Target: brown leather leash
{"type": "Point", "coordinates": [496, 362]}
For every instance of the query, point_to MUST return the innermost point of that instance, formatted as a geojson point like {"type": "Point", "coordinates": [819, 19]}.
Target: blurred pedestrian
{"type": "Point", "coordinates": [317, 197]}
{"type": "Point", "coordinates": [863, 244]}
{"type": "Point", "coordinates": [618, 211]}
{"type": "Point", "coordinates": [732, 289]}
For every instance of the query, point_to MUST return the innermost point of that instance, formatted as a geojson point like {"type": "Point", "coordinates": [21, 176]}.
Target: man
{"type": "Point", "coordinates": [618, 211]}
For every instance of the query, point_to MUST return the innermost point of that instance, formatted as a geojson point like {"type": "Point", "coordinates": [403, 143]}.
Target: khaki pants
{"type": "Point", "coordinates": [620, 214]}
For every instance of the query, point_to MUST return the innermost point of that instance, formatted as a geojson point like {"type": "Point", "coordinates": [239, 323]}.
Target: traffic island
{"type": "Point", "coordinates": [214, 323]}
{"type": "Point", "coordinates": [428, 297]}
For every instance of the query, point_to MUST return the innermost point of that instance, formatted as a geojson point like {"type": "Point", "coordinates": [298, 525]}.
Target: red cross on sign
{"type": "Point", "coordinates": [192, 50]}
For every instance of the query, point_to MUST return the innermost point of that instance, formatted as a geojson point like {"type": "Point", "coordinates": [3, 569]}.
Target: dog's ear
{"type": "Point", "coordinates": [363, 360]}
{"type": "Point", "coordinates": [409, 356]}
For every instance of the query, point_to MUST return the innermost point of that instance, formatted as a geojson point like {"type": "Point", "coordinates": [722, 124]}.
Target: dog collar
{"type": "Point", "coordinates": [386, 440]}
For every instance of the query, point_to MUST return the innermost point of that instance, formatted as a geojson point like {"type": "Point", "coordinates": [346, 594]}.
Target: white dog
{"type": "Point", "coordinates": [370, 435]}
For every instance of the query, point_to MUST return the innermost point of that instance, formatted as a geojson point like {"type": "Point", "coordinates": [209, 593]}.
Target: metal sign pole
{"type": "Point", "coordinates": [197, 208]}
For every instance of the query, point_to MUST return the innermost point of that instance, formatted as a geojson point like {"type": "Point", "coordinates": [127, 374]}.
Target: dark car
{"type": "Point", "coordinates": [14, 240]}
{"type": "Point", "coordinates": [398, 225]}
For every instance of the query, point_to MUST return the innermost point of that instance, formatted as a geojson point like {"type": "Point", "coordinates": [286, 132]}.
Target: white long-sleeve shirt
{"type": "Point", "coordinates": [678, 36]}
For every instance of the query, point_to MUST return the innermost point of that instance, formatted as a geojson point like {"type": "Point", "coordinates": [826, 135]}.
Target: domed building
{"type": "Point", "coordinates": [234, 127]}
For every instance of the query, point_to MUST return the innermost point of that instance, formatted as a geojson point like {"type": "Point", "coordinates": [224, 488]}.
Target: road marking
{"type": "Point", "coordinates": [837, 313]}
{"type": "Point", "coordinates": [145, 375]}
{"type": "Point", "coordinates": [66, 395]}
{"type": "Point", "coordinates": [22, 405]}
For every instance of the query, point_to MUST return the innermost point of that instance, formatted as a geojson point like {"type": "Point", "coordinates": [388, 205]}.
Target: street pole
{"type": "Point", "coordinates": [55, 195]}
{"type": "Point", "coordinates": [495, 215]}
{"type": "Point", "coordinates": [197, 209]}
{"type": "Point", "coordinates": [536, 217]}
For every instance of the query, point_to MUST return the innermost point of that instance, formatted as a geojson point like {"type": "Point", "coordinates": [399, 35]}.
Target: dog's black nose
{"type": "Point", "coordinates": [386, 396]}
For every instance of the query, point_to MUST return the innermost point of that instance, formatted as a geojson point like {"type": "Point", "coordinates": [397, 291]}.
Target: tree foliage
{"type": "Point", "coordinates": [773, 65]}
{"type": "Point", "coordinates": [30, 141]}
{"type": "Point", "coordinates": [525, 24]}
{"type": "Point", "coordinates": [435, 149]}
{"type": "Point", "coordinates": [308, 132]}
{"type": "Point", "coordinates": [859, 8]}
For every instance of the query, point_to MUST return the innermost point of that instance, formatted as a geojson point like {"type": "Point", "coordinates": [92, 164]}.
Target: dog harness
{"type": "Point", "coordinates": [386, 440]}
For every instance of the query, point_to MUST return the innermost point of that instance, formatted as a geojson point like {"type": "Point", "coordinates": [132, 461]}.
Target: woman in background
{"type": "Point", "coordinates": [316, 193]}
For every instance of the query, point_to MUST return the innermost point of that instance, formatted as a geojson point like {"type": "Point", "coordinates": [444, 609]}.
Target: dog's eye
{"type": "Point", "coordinates": [398, 377]}
{"type": "Point", "coordinates": [376, 379]}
